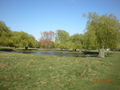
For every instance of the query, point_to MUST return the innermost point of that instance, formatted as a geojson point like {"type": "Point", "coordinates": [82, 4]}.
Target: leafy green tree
{"type": "Point", "coordinates": [118, 44]}
{"type": "Point", "coordinates": [16, 39]}
{"type": "Point", "coordinates": [89, 40]}
{"type": "Point", "coordinates": [5, 34]}
{"type": "Point", "coordinates": [105, 29]}
{"type": "Point", "coordinates": [22, 39]}
{"type": "Point", "coordinates": [77, 41]}
{"type": "Point", "coordinates": [61, 39]}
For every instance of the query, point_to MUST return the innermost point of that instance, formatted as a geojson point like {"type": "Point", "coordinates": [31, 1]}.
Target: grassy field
{"type": "Point", "coordinates": [44, 72]}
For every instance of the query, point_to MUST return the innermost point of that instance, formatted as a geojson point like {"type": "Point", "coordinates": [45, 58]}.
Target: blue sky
{"type": "Point", "coordinates": [35, 16]}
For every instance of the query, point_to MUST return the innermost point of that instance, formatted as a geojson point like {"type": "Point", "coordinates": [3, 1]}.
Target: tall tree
{"type": "Point", "coordinates": [22, 39]}
{"type": "Point", "coordinates": [47, 39]}
{"type": "Point", "coordinates": [118, 44]}
{"type": "Point", "coordinates": [16, 39]}
{"type": "Point", "coordinates": [77, 41]}
{"type": "Point", "coordinates": [89, 40]}
{"type": "Point", "coordinates": [61, 39]}
{"type": "Point", "coordinates": [105, 28]}
{"type": "Point", "coordinates": [5, 34]}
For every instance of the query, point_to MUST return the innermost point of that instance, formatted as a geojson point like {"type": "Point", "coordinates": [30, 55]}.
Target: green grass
{"type": "Point", "coordinates": [44, 72]}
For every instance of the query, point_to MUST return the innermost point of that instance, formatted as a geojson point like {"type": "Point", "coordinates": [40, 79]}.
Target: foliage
{"type": "Point", "coordinates": [89, 39]}
{"type": "Point", "coordinates": [22, 39]}
{"type": "Point", "coordinates": [77, 41]}
{"type": "Point", "coordinates": [5, 34]}
{"type": "Point", "coordinates": [46, 44]}
{"type": "Point", "coordinates": [62, 38]}
{"type": "Point", "coordinates": [16, 39]}
{"type": "Point", "coordinates": [104, 28]}
{"type": "Point", "coordinates": [47, 40]}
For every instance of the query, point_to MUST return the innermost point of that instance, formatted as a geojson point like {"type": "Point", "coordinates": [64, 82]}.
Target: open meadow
{"type": "Point", "coordinates": [44, 72]}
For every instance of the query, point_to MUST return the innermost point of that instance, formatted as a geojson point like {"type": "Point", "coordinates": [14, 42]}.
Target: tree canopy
{"type": "Point", "coordinates": [15, 39]}
{"type": "Point", "coordinates": [104, 28]}
{"type": "Point", "coordinates": [47, 39]}
{"type": "Point", "coordinates": [61, 39]}
{"type": "Point", "coordinates": [5, 34]}
{"type": "Point", "coordinates": [77, 41]}
{"type": "Point", "coordinates": [22, 39]}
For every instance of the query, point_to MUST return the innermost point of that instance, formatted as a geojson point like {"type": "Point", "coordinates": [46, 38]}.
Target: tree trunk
{"type": "Point", "coordinates": [75, 49]}
{"type": "Point", "coordinates": [101, 53]}
{"type": "Point", "coordinates": [26, 48]}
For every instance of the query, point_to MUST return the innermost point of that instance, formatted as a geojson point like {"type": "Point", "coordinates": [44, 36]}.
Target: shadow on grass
{"type": "Point", "coordinates": [6, 49]}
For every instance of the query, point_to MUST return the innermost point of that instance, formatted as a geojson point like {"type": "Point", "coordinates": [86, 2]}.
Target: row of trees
{"type": "Point", "coordinates": [64, 41]}
{"type": "Point", "coordinates": [102, 32]}
{"type": "Point", "coordinates": [61, 39]}
{"type": "Point", "coordinates": [15, 39]}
